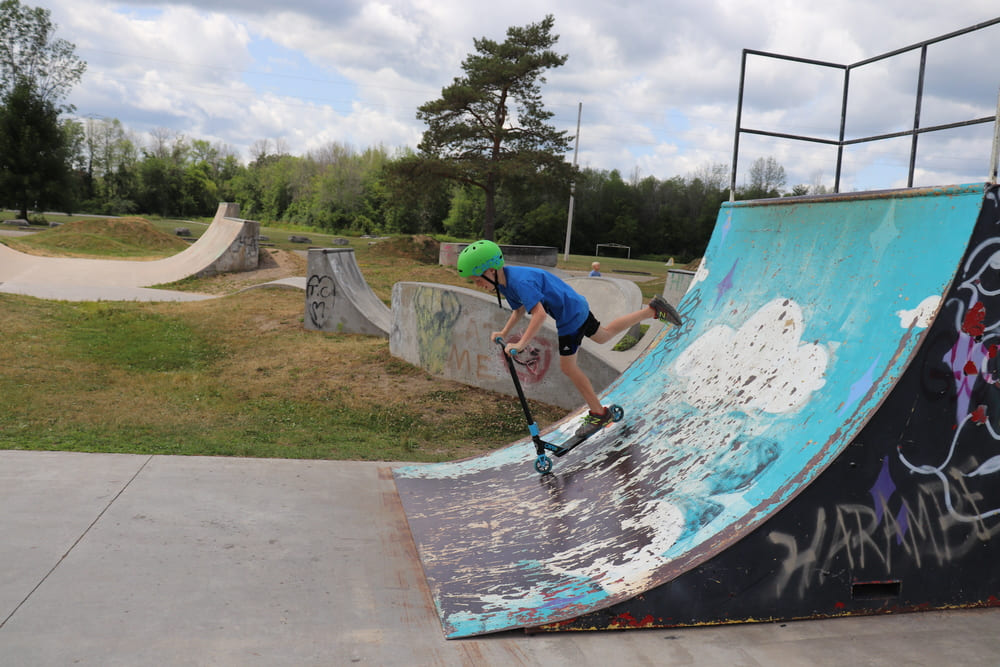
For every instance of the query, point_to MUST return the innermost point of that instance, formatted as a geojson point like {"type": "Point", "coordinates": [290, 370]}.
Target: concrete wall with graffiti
{"type": "Point", "coordinates": [243, 253]}
{"type": "Point", "coordinates": [677, 284]}
{"type": "Point", "coordinates": [339, 299]}
{"type": "Point", "coordinates": [446, 331]}
{"type": "Point", "coordinates": [533, 255]}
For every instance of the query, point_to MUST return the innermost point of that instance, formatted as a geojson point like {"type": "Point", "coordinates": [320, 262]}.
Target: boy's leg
{"type": "Point", "coordinates": [657, 308]}
{"type": "Point", "coordinates": [582, 383]}
{"type": "Point", "coordinates": [623, 323]}
{"type": "Point", "coordinates": [599, 415]}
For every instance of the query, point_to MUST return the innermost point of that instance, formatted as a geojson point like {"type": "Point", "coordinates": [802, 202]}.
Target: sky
{"type": "Point", "coordinates": [654, 84]}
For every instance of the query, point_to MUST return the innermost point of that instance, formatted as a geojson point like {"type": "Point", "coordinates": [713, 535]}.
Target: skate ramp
{"type": "Point", "coordinates": [801, 319]}
{"type": "Point", "coordinates": [339, 299]}
{"type": "Point", "coordinates": [229, 244]}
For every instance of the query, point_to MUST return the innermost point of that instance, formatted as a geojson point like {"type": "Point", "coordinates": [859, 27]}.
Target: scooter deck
{"type": "Point", "coordinates": [577, 440]}
{"type": "Point", "coordinates": [570, 445]}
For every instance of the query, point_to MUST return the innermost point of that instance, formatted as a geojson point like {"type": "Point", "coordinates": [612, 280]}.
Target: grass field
{"type": "Point", "coordinates": [238, 375]}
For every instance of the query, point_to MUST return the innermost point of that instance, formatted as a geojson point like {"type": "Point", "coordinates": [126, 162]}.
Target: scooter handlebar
{"type": "Point", "coordinates": [499, 341]}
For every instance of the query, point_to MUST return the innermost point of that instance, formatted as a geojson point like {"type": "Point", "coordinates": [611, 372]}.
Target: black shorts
{"type": "Point", "coordinates": [570, 343]}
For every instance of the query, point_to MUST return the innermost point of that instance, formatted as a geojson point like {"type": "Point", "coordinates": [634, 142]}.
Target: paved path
{"type": "Point", "coordinates": [111, 559]}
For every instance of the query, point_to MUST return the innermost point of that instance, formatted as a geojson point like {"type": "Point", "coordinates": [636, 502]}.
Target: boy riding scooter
{"type": "Point", "coordinates": [539, 293]}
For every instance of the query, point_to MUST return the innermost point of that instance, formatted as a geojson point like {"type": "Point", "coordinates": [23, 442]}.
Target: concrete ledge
{"type": "Point", "coordinates": [534, 255]}
{"type": "Point", "coordinates": [446, 331]}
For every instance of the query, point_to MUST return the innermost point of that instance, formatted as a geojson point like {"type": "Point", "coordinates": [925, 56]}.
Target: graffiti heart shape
{"type": "Point", "coordinates": [320, 294]}
{"type": "Point", "coordinates": [317, 313]}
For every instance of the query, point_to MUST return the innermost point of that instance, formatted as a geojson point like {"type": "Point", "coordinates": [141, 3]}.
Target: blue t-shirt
{"type": "Point", "coordinates": [527, 287]}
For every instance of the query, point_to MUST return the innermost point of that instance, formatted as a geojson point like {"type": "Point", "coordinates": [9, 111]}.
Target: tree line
{"type": "Point", "coordinates": [340, 189]}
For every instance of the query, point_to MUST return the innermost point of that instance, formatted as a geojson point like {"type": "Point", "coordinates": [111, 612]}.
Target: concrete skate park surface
{"type": "Point", "coordinates": [113, 559]}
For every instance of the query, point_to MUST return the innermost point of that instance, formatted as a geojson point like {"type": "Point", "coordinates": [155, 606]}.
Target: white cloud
{"type": "Point", "coordinates": [761, 366]}
{"type": "Point", "coordinates": [658, 88]}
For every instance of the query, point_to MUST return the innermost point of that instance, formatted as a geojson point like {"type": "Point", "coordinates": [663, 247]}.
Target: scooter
{"type": "Point", "coordinates": [543, 464]}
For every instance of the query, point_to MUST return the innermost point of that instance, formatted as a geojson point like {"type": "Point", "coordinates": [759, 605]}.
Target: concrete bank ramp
{"type": "Point", "coordinates": [697, 507]}
{"type": "Point", "coordinates": [610, 298]}
{"type": "Point", "coordinates": [339, 299]}
{"type": "Point", "coordinates": [446, 331]}
{"type": "Point", "coordinates": [229, 244]}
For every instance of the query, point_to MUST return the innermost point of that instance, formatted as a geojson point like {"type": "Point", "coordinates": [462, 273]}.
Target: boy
{"type": "Point", "coordinates": [539, 293]}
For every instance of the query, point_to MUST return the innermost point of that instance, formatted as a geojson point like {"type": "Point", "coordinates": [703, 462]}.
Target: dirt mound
{"type": "Point", "coordinates": [123, 237]}
{"type": "Point", "coordinates": [419, 248]}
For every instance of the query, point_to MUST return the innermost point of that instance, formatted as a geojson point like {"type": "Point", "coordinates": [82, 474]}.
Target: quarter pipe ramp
{"type": "Point", "coordinates": [229, 244]}
{"type": "Point", "coordinates": [801, 442]}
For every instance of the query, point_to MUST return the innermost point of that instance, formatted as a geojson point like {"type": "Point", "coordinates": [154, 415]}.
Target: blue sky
{"type": "Point", "coordinates": [658, 81]}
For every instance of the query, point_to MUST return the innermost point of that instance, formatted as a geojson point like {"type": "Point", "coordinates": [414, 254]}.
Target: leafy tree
{"type": "Point", "coordinates": [33, 151]}
{"type": "Point", "coordinates": [112, 156]}
{"type": "Point", "coordinates": [465, 214]}
{"type": "Point", "coordinates": [36, 72]}
{"type": "Point", "coordinates": [28, 52]}
{"type": "Point", "coordinates": [490, 125]}
{"type": "Point", "coordinates": [409, 209]}
{"type": "Point", "coordinates": [766, 178]}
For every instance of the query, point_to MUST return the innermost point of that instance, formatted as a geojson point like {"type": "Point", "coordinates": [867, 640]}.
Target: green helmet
{"type": "Point", "coordinates": [476, 257]}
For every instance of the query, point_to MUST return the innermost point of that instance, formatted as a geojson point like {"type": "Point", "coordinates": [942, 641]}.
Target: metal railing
{"type": "Point", "coordinates": [841, 141]}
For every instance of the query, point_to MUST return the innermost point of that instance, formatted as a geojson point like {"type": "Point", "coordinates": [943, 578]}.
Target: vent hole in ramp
{"type": "Point", "coordinates": [876, 590]}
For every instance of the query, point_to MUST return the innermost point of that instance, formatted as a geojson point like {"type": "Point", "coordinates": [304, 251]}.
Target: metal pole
{"type": "Point", "coordinates": [572, 187]}
{"type": "Point", "coordinates": [843, 126]}
{"type": "Point", "coordinates": [916, 115]}
{"type": "Point", "coordinates": [736, 134]}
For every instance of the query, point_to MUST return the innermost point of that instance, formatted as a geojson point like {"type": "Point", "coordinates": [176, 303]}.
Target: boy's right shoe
{"type": "Point", "coordinates": [664, 311]}
{"type": "Point", "coordinates": [593, 423]}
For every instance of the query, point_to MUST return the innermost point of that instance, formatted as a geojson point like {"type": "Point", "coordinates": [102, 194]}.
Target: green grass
{"type": "Point", "coordinates": [118, 336]}
{"type": "Point", "coordinates": [240, 375]}
{"type": "Point", "coordinates": [236, 376]}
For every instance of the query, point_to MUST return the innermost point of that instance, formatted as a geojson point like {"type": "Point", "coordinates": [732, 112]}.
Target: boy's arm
{"type": "Point", "coordinates": [538, 316]}
{"type": "Point", "coordinates": [514, 318]}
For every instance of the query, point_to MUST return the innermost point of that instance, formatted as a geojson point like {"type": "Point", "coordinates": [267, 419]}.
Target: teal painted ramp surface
{"type": "Point", "coordinates": [803, 316]}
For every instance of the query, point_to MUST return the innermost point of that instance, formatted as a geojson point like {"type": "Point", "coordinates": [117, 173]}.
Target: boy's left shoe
{"type": "Point", "coordinates": [593, 423]}
{"type": "Point", "coordinates": [664, 311]}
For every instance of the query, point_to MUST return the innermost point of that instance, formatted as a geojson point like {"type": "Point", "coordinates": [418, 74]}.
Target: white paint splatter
{"type": "Point", "coordinates": [921, 316]}
{"type": "Point", "coordinates": [700, 275]}
{"type": "Point", "coordinates": [620, 571]}
{"type": "Point", "coordinates": [761, 366]}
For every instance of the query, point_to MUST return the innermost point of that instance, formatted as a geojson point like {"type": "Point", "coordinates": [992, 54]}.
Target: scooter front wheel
{"type": "Point", "coordinates": [543, 464]}
{"type": "Point", "coordinates": [617, 413]}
